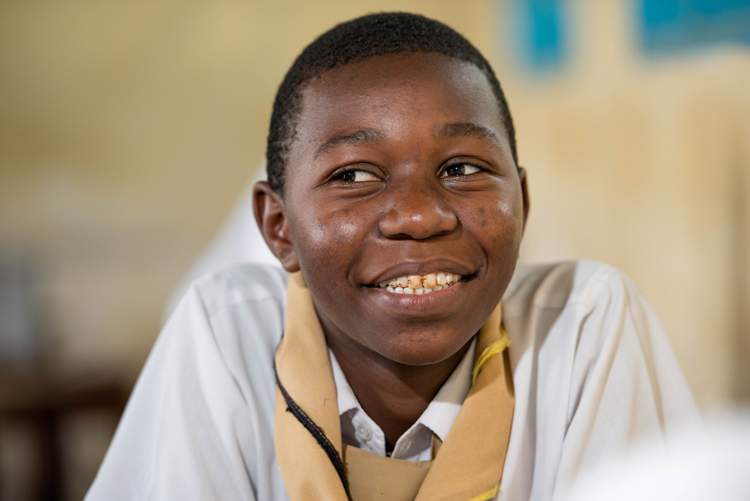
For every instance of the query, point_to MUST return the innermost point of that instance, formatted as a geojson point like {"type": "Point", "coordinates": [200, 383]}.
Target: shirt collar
{"type": "Point", "coordinates": [345, 397]}
{"type": "Point", "coordinates": [442, 410]}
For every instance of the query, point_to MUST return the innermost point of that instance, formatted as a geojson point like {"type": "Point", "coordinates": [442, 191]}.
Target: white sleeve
{"type": "Point", "coordinates": [592, 370]}
{"type": "Point", "coordinates": [626, 383]}
{"type": "Point", "coordinates": [179, 436]}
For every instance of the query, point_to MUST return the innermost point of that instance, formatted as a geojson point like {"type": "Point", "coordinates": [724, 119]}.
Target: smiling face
{"type": "Point", "coordinates": [400, 169]}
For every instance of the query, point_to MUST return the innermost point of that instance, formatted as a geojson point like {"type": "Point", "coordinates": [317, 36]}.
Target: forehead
{"type": "Point", "coordinates": [399, 95]}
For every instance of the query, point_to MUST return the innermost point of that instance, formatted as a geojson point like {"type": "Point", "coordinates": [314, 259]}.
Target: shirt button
{"type": "Point", "coordinates": [364, 433]}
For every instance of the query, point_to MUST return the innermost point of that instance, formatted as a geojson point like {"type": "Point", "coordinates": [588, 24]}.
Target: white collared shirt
{"type": "Point", "coordinates": [359, 430]}
{"type": "Point", "coordinates": [592, 372]}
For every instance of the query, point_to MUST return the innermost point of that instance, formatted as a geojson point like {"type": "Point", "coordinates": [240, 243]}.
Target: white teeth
{"type": "Point", "coordinates": [420, 285]}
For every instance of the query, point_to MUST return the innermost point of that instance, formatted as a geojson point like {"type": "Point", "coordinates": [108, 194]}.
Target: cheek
{"type": "Point", "coordinates": [510, 213]}
{"type": "Point", "coordinates": [497, 223]}
{"type": "Point", "coordinates": [327, 238]}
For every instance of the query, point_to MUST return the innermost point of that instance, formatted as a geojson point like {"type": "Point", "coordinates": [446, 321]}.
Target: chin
{"type": "Point", "coordinates": [421, 352]}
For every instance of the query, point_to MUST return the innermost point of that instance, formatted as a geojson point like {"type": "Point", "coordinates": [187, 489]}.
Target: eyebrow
{"type": "Point", "coordinates": [366, 136]}
{"type": "Point", "coordinates": [467, 129]}
{"type": "Point", "coordinates": [360, 137]}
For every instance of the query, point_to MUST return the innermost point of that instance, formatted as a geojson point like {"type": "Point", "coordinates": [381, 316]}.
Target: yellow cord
{"type": "Point", "coordinates": [485, 496]}
{"type": "Point", "coordinates": [493, 349]}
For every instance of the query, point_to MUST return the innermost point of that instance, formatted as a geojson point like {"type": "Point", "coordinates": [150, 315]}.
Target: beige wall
{"type": "Point", "coordinates": [128, 129]}
{"type": "Point", "coordinates": [644, 162]}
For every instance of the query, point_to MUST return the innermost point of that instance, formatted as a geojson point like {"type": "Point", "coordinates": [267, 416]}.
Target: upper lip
{"type": "Point", "coordinates": [421, 268]}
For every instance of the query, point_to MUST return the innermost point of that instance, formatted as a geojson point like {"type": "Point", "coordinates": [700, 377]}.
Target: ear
{"type": "Point", "coordinates": [525, 194]}
{"type": "Point", "coordinates": [271, 218]}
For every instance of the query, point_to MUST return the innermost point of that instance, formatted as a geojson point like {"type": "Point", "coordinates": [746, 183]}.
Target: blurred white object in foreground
{"type": "Point", "coordinates": [711, 463]}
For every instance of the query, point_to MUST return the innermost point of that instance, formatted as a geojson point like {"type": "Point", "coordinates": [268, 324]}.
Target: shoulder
{"type": "Point", "coordinates": [556, 285]}
{"type": "Point", "coordinates": [199, 423]}
{"type": "Point", "coordinates": [575, 314]}
{"type": "Point", "coordinates": [583, 334]}
{"type": "Point", "coordinates": [243, 309]}
{"type": "Point", "coordinates": [231, 320]}
{"type": "Point", "coordinates": [592, 370]}
{"type": "Point", "coordinates": [245, 283]}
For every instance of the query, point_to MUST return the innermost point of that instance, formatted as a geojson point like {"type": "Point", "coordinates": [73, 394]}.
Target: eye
{"type": "Point", "coordinates": [355, 176]}
{"type": "Point", "coordinates": [460, 170]}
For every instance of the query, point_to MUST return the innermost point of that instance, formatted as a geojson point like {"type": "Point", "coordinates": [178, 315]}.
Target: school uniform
{"type": "Point", "coordinates": [219, 411]}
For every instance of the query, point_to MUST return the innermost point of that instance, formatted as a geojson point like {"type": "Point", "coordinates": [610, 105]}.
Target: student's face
{"type": "Point", "coordinates": [401, 166]}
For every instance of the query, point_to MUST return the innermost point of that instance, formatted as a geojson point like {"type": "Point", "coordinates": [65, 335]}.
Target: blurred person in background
{"type": "Point", "coordinates": [396, 206]}
{"type": "Point", "coordinates": [238, 241]}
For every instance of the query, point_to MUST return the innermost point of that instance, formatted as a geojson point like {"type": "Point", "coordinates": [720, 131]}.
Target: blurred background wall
{"type": "Point", "coordinates": [128, 130]}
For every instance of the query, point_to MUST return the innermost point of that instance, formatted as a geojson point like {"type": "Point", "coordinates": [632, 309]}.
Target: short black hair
{"type": "Point", "coordinates": [355, 41]}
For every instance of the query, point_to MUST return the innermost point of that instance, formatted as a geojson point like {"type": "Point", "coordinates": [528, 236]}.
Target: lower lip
{"type": "Point", "coordinates": [412, 304]}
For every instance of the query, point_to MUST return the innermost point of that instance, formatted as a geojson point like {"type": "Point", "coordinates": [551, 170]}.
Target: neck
{"type": "Point", "coordinates": [394, 395]}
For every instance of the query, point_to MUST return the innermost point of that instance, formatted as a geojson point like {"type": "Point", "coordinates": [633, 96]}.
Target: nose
{"type": "Point", "coordinates": [417, 214]}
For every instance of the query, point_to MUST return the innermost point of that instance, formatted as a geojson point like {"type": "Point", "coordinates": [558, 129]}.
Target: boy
{"type": "Point", "coordinates": [396, 206]}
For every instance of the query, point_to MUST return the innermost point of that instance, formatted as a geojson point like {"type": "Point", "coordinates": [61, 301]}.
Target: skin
{"type": "Point", "coordinates": [401, 165]}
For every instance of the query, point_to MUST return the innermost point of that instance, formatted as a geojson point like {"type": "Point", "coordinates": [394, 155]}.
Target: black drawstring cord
{"type": "Point", "coordinates": [316, 432]}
